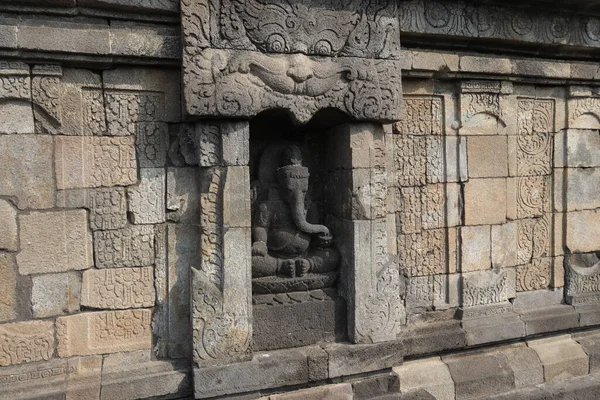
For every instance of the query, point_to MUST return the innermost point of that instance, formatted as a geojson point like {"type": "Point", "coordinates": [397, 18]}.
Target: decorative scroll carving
{"type": "Point", "coordinates": [536, 116]}
{"type": "Point", "coordinates": [211, 226]}
{"type": "Point", "coordinates": [476, 103]}
{"type": "Point", "coordinates": [535, 275]}
{"type": "Point", "coordinates": [582, 278]}
{"type": "Point", "coordinates": [509, 23]}
{"type": "Point", "coordinates": [242, 84]}
{"type": "Point", "coordinates": [422, 116]}
{"type": "Point", "coordinates": [533, 240]}
{"type": "Point", "coordinates": [218, 334]}
{"type": "Point", "coordinates": [533, 196]}
{"type": "Point", "coordinates": [380, 310]}
{"type": "Point", "coordinates": [487, 287]}
{"type": "Point", "coordinates": [581, 106]}
{"type": "Point", "coordinates": [25, 342]}
{"type": "Point", "coordinates": [330, 28]}
{"type": "Point", "coordinates": [46, 89]}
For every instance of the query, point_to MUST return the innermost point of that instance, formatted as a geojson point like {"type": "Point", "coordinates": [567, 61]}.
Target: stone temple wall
{"type": "Point", "coordinates": [461, 189]}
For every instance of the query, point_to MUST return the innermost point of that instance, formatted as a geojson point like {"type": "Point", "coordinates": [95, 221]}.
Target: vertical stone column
{"type": "Point", "coordinates": [365, 233]}
{"type": "Point", "coordinates": [221, 282]}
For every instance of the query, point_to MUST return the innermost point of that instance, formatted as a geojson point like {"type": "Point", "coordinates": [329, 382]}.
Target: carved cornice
{"type": "Point", "coordinates": [527, 26]}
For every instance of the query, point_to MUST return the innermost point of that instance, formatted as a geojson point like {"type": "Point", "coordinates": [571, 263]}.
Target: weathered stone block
{"type": "Point", "coordinates": [537, 299]}
{"type": "Point", "coordinates": [525, 364]}
{"type": "Point", "coordinates": [551, 319]}
{"type": "Point", "coordinates": [504, 245]}
{"type": "Point", "coordinates": [55, 294]}
{"type": "Point", "coordinates": [183, 195]}
{"type": "Point", "coordinates": [17, 117]}
{"type": "Point", "coordinates": [134, 375]}
{"type": "Point", "coordinates": [108, 209]}
{"type": "Point", "coordinates": [561, 356]}
{"type": "Point", "coordinates": [434, 61]}
{"type": "Point", "coordinates": [8, 286]}
{"type": "Point", "coordinates": [430, 374]}
{"type": "Point", "coordinates": [433, 338]}
{"type": "Point", "coordinates": [528, 196]}
{"type": "Point", "coordinates": [492, 65]}
{"type": "Point", "coordinates": [88, 36]}
{"type": "Point", "coordinates": [577, 148]}
{"type": "Point", "coordinates": [144, 40]}
{"type": "Point", "coordinates": [480, 375]}
{"type": "Point", "coordinates": [352, 359]}
{"type": "Point", "coordinates": [340, 391]}
{"type": "Point", "coordinates": [25, 342]}
{"type": "Point", "coordinates": [86, 162]}
{"type": "Point", "coordinates": [485, 201]}
{"type": "Point", "coordinates": [236, 198]}
{"type": "Point", "coordinates": [26, 170]}
{"type": "Point", "coordinates": [118, 288]}
{"type": "Point", "coordinates": [141, 84]}
{"type": "Point", "coordinates": [235, 139]}
{"type": "Point", "coordinates": [583, 231]}
{"type": "Point", "coordinates": [437, 292]}
{"type": "Point", "coordinates": [266, 370]}
{"type": "Point", "coordinates": [183, 252]}
{"type": "Point", "coordinates": [488, 287]}
{"type": "Point", "coordinates": [54, 241]}
{"type": "Point", "coordinates": [104, 332]}
{"type": "Point", "coordinates": [590, 342]}
{"type": "Point", "coordinates": [299, 320]}
{"type": "Point", "coordinates": [487, 156]}
{"type": "Point", "coordinates": [475, 246]}
{"type": "Point", "coordinates": [132, 246]}
{"type": "Point", "coordinates": [8, 222]}
{"type": "Point", "coordinates": [446, 159]}
{"type": "Point", "coordinates": [492, 327]}
{"type": "Point", "coordinates": [72, 379]}
{"type": "Point", "coordinates": [576, 189]}
{"type": "Point", "coordinates": [431, 252]}
{"type": "Point", "coordinates": [375, 386]}
{"type": "Point", "coordinates": [147, 199]}
{"type": "Point", "coordinates": [151, 143]}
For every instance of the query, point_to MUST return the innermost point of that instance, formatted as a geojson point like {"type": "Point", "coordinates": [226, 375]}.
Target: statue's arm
{"type": "Point", "coordinates": [260, 229]}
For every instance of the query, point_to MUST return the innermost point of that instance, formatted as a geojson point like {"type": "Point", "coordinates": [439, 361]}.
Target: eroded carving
{"type": "Point", "coordinates": [582, 278]}
{"type": "Point", "coordinates": [424, 253]}
{"type": "Point", "coordinates": [108, 209]}
{"type": "Point", "coordinates": [118, 288]}
{"type": "Point", "coordinates": [45, 90]}
{"type": "Point", "coordinates": [125, 109]}
{"type": "Point", "coordinates": [132, 246]}
{"type": "Point", "coordinates": [25, 342]}
{"type": "Point", "coordinates": [422, 116]}
{"type": "Point", "coordinates": [533, 196]}
{"type": "Point", "coordinates": [533, 239]}
{"type": "Point", "coordinates": [285, 243]}
{"type": "Point", "coordinates": [535, 275]}
{"type": "Point", "coordinates": [487, 287]}
{"type": "Point", "coordinates": [410, 160]}
{"type": "Point", "coordinates": [242, 84]}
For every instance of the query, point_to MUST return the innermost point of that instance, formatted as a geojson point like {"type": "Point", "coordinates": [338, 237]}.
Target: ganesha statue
{"type": "Point", "coordinates": [287, 240]}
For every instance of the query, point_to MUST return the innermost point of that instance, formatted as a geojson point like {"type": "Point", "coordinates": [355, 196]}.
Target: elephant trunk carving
{"type": "Point", "coordinates": [299, 216]}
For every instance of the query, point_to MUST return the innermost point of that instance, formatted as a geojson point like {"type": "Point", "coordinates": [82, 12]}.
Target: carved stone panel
{"type": "Point", "coordinates": [25, 342]}
{"type": "Point", "coordinates": [326, 28]}
{"type": "Point", "coordinates": [488, 287]}
{"type": "Point", "coordinates": [582, 278]}
{"type": "Point", "coordinates": [422, 116]}
{"type": "Point", "coordinates": [226, 83]}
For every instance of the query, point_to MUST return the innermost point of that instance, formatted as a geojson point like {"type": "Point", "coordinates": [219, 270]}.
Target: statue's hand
{"type": "Point", "coordinates": [302, 267]}
{"type": "Point", "coordinates": [324, 241]}
{"type": "Point", "coordinates": [259, 249]}
{"type": "Point", "coordinates": [288, 268]}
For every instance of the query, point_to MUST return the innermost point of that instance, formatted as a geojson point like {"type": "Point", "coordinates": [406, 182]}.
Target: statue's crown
{"type": "Point", "coordinates": [293, 171]}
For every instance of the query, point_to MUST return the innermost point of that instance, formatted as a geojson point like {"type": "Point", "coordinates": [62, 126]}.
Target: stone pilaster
{"type": "Point", "coordinates": [221, 281]}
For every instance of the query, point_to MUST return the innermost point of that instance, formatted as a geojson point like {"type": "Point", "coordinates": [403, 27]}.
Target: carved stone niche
{"type": "Point", "coordinates": [315, 279]}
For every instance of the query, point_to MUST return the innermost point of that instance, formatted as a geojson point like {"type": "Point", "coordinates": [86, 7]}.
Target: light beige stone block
{"type": "Point", "coordinates": [25, 342]}
{"type": "Point", "coordinates": [487, 156]}
{"type": "Point", "coordinates": [430, 374]}
{"type": "Point", "coordinates": [118, 288]}
{"type": "Point", "coordinates": [8, 286]}
{"type": "Point", "coordinates": [475, 250]}
{"type": "Point", "coordinates": [132, 246]}
{"type": "Point", "coordinates": [77, 378]}
{"type": "Point", "coordinates": [104, 332]}
{"type": "Point", "coordinates": [26, 170]}
{"type": "Point", "coordinates": [577, 148]}
{"type": "Point", "coordinates": [17, 117]}
{"type": "Point", "coordinates": [87, 162]}
{"type": "Point", "coordinates": [54, 241]}
{"type": "Point", "coordinates": [561, 356]}
{"type": "Point", "coordinates": [576, 189]}
{"type": "Point", "coordinates": [55, 294]}
{"type": "Point", "coordinates": [481, 288]}
{"type": "Point", "coordinates": [583, 231]}
{"type": "Point", "coordinates": [236, 198]}
{"type": "Point", "coordinates": [492, 65]}
{"type": "Point", "coordinates": [147, 199]}
{"type": "Point", "coordinates": [485, 201]}
{"type": "Point", "coordinates": [435, 61]}
{"type": "Point", "coordinates": [504, 245]}
{"type": "Point", "coordinates": [8, 226]}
